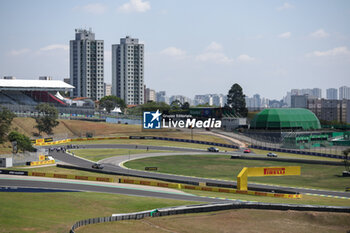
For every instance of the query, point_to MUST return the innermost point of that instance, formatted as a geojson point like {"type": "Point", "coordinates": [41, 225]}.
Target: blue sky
{"type": "Point", "coordinates": [192, 47]}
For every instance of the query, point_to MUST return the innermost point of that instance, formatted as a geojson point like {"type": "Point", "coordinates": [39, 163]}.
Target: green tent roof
{"type": "Point", "coordinates": [285, 118]}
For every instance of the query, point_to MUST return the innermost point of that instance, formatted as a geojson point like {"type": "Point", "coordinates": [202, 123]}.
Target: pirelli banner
{"type": "Point", "coordinates": [242, 178]}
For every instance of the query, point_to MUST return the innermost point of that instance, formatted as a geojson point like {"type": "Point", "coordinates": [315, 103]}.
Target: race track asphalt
{"type": "Point", "coordinates": [113, 165]}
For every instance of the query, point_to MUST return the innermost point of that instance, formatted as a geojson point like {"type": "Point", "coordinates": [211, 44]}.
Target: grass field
{"type": "Point", "coordinates": [222, 167]}
{"type": "Point", "coordinates": [243, 220]}
{"type": "Point", "coordinates": [57, 212]}
{"type": "Point", "coordinates": [98, 154]}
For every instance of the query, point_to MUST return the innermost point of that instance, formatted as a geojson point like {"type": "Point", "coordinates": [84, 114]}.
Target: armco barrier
{"type": "Point", "coordinates": [206, 188]}
{"type": "Point", "coordinates": [13, 172]}
{"type": "Point", "coordinates": [298, 152]}
{"type": "Point", "coordinates": [208, 208]}
{"type": "Point", "coordinates": [67, 176]}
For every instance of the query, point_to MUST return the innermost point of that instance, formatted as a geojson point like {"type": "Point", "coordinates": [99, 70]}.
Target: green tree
{"type": "Point", "coordinates": [175, 105]}
{"type": "Point", "coordinates": [236, 101]}
{"type": "Point", "coordinates": [6, 117]}
{"type": "Point", "coordinates": [185, 106]}
{"type": "Point", "coordinates": [111, 101]}
{"type": "Point", "coordinates": [23, 142]}
{"type": "Point", "coordinates": [46, 119]}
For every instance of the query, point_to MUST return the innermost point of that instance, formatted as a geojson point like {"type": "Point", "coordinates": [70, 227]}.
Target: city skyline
{"type": "Point", "coordinates": [200, 48]}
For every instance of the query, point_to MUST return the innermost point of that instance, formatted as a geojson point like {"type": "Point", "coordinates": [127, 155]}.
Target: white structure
{"type": "Point", "coordinates": [6, 162]}
{"type": "Point", "coordinates": [86, 65]}
{"type": "Point", "coordinates": [332, 94]}
{"type": "Point", "coordinates": [344, 93]}
{"type": "Point", "coordinates": [128, 71]}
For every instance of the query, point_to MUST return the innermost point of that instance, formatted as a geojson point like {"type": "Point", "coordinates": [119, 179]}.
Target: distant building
{"type": "Point", "coordinates": [162, 97]}
{"type": "Point", "coordinates": [330, 110]}
{"type": "Point", "coordinates": [10, 77]}
{"type": "Point", "coordinates": [180, 98]}
{"type": "Point", "coordinates": [315, 92]}
{"type": "Point", "coordinates": [128, 71]}
{"type": "Point", "coordinates": [66, 80]}
{"type": "Point", "coordinates": [332, 94]}
{"type": "Point", "coordinates": [87, 65]}
{"type": "Point", "coordinates": [108, 89]}
{"type": "Point", "coordinates": [299, 101]}
{"type": "Point", "coordinates": [45, 78]}
{"type": "Point", "coordinates": [150, 95]}
{"type": "Point", "coordinates": [344, 93]}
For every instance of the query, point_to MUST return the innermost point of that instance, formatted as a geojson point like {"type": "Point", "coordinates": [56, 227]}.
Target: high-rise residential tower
{"type": "Point", "coordinates": [128, 71]}
{"type": "Point", "coordinates": [344, 93]}
{"type": "Point", "coordinates": [332, 94]}
{"type": "Point", "coordinates": [86, 65]}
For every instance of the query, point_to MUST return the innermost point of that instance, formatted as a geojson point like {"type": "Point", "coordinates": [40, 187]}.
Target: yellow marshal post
{"type": "Point", "coordinates": [242, 178]}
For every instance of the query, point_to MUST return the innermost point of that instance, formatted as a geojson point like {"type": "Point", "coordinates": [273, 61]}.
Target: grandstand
{"type": "Point", "coordinates": [31, 92]}
{"type": "Point", "coordinates": [22, 96]}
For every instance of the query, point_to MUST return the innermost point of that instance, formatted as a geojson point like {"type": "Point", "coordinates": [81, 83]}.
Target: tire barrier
{"type": "Point", "coordinates": [207, 188]}
{"type": "Point", "coordinates": [138, 138]}
{"type": "Point", "coordinates": [201, 208]}
{"type": "Point", "coordinates": [67, 176]}
{"type": "Point", "coordinates": [297, 152]}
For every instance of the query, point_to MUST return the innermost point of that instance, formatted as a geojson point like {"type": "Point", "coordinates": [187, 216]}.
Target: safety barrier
{"type": "Point", "coordinates": [207, 208]}
{"type": "Point", "coordinates": [138, 138]}
{"type": "Point", "coordinates": [297, 152]}
{"type": "Point", "coordinates": [67, 176]}
{"type": "Point", "coordinates": [43, 162]}
{"type": "Point", "coordinates": [206, 188]}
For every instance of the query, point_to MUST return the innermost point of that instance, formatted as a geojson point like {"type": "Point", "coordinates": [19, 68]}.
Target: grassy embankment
{"type": "Point", "coordinates": [222, 167]}
{"type": "Point", "coordinates": [57, 212]}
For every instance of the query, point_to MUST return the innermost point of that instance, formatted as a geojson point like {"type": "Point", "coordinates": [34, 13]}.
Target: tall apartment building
{"type": "Point", "coordinates": [330, 110]}
{"type": "Point", "coordinates": [86, 65]}
{"type": "Point", "coordinates": [150, 95]}
{"type": "Point", "coordinates": [344, 93]}
{"type": "Point", "coordinates": [162, 97]}
{"type": "Point", "coordinates": [315, 92]}
{"type": "Point", "coordinates": [128, 71]}
{"type": "Point", "coordinates": [332, 94]}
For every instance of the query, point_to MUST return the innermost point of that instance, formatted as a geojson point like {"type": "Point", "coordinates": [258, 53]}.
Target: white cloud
{"type": "Point", "coordinates": [320, 33]}
{"type": "Point", "coordinates": [330, 53]}
{"type": "Point", "coordinates": [93, 8]}
{"type": "Point", "coordinates": [135, 6]}
{"type": "Point", "coordinates": [19, 52]}
{"type": "Point", "coordinates": [245, 58]}
{"type": "Point", "coordinates": [55, 46]}
{"type": "Point", "coordinates": [285, 35]}
{"type": "Point", "coordinates": [214, 47]}
{"type": "Point", "coordinates": [173, 52]}
{"type": "Point", "coordinates": [285, 6]}
{"type": "Point", "coordinates": [216, 57]}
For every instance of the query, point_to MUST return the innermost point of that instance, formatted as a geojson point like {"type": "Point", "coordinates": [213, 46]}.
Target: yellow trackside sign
{"type": "Point", "coordinates": [242, 178]}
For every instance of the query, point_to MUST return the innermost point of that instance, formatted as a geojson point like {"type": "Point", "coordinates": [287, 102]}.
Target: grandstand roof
{"type": "Point", "coordinates": [285, 118]}
{"type": "Point", "coordinates": [31, 85]}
